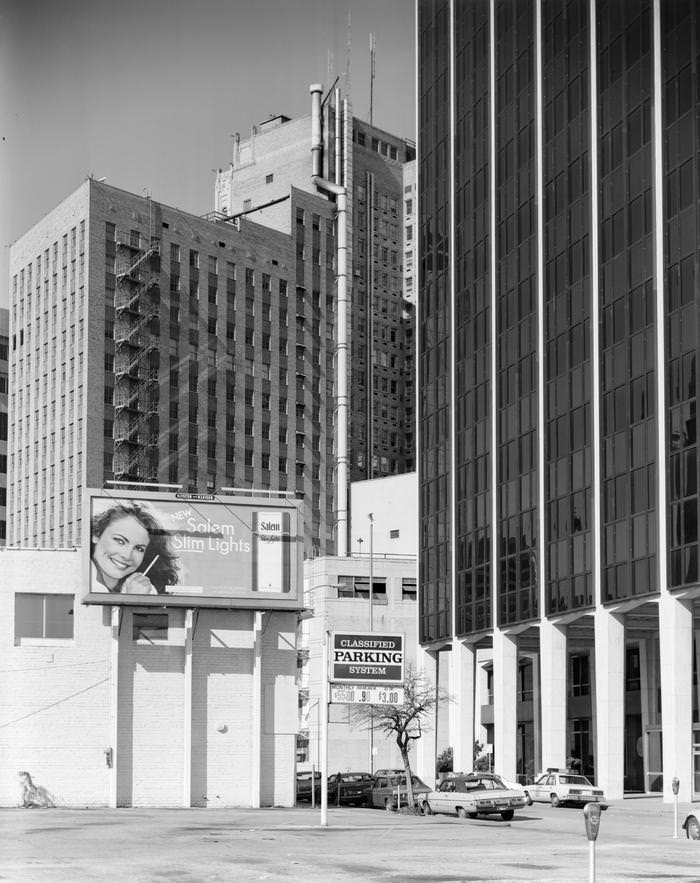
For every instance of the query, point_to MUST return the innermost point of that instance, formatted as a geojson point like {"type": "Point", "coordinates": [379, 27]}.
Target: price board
{"type": "Point", "coordinates": [366, 694]}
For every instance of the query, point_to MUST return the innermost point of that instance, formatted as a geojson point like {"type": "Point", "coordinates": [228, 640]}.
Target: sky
{"type": "Point", "coordinates": [148, 94]}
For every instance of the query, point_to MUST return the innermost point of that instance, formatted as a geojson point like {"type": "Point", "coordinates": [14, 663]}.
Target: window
{"type": "Point", "coordinates": [150, 627]}
{"type": "Point", "coordinates": [525, 684]}
{"type": "Point", "coordinates": [632, 670]}
{"type": "Point", "coordinates": [580, 676]}
{"type": "Point", "coordinates": [408, 589]}
{"type": "Point", "coordinates": [43, 617]}
{"type": "Point", "coordinates": [269, 179]}
{"type": "Point", "coordinates": [358, 587]}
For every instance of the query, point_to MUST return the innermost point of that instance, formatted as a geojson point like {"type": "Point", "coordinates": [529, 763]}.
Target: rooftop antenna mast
{"type": "Point", "coordinates": [347, 56]}
{"type": "Point", "coordinates": [372, 52]}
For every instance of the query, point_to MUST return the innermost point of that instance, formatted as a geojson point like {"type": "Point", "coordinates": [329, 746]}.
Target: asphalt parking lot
{"type": "Point", "coordinates": [183, 846]}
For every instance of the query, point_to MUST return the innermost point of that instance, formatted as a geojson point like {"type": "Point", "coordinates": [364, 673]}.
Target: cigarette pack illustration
{"type": "Point", "coordinates": [271, 551]}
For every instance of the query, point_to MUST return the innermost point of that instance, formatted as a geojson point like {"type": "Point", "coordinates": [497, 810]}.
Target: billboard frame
{"type": "Point", "coordinates": [260, 600]}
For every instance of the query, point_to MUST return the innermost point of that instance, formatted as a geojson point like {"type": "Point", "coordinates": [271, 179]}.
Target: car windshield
{"type": "Point", "coordinates": [574, 780]}
{"type": "Point", "coordinates": [355, 777]}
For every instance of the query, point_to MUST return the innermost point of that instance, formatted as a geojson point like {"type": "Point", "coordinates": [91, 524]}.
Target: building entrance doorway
{"type": "Point", "coordinates": [696, 762]}
{"type": "Point", "coordinates": [525, 761]}
{"type": "Point", "coordinates": [654, 756]}
{"type": "Point", "coordinates": [634, 753]}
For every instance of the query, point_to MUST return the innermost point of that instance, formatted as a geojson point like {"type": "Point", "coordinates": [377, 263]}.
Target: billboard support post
{"type": "Point", "coordinates": [257, 716]}
{"type": "Point", "coordinates": [114, 702]}
{"type": "Point", "coordinates": [324, 732]}
{"type": "Point", "coordinates": [187, 746]}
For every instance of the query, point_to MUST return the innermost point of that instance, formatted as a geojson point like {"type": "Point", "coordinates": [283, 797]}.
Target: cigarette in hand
{"type": "Point", "coordinates": [155, 558]}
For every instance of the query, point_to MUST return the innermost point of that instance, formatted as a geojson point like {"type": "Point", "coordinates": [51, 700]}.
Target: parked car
{"type": "Point", "coordinates": [691, 824]}
{"type": "Point", "coordinates": [562, 786]}
{"type": "Point", "coordinates": [472, 794]}
{"type": "Point", "coordinates": [350, 788]}
{"type": "Point", "coordinates": [389, 791]}
{"type": "Point", "coordinates": [304, 786]}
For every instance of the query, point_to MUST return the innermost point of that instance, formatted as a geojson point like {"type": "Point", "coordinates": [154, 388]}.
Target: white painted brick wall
{"type": "Point", "coordinates": [55, 702]}
{"type": "Point", "coordinates": [222, 691]}
{"type": "Point", "coordinates": [54, 699]}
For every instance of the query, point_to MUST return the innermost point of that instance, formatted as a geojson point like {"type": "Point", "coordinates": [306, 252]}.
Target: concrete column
{"type": "Point", "coordinates": [610, 702]}
{"type": "Point", "coordinates": [115, 623]}
{"type": "Point", "coordinates": [553, 668]}
{"type": "Point", "coordinates": [425, 747]}
{"type": "Point", "coordinates": [696, 646]}
{"type": "Point", "coordinates": [187, 704]}
{"type": "Point", "coordinates": [676, 655]}
{"type": "Point", "coordinates": [537, 711]}
{"type": "Point", "coordinates": [462, 705]}
{"type": "Point", "coordinates": [257, 710]}
{"type": "Point", "coordinates": [505, 696]}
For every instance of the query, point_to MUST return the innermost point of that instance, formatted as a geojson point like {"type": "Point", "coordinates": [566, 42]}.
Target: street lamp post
{"type": "Point", "coordinates": [371, 628]}
{"type": "Point", "coordinates": [371, 567]}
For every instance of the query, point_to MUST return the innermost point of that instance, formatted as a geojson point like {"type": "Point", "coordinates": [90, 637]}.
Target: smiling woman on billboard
{"type": "Point", "coordinates": [130, 552]}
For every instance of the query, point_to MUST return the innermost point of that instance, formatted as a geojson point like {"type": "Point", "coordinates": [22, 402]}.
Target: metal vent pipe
{"type": "Point", "coordinates": [342, 305]}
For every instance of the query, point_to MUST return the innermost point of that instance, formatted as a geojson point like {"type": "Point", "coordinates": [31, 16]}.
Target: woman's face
{"type": "Point", "coordinates": [120, 549]}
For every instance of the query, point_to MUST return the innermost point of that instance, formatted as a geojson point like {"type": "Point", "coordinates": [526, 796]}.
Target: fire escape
{"type": "Point", "coordinates": [136, 305]}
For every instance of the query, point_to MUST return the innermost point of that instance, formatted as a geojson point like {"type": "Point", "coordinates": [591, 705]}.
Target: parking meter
{"type": "Point", "coordinates": [675, 785]}
{"type": "Point", "coordinates": [591, 815]}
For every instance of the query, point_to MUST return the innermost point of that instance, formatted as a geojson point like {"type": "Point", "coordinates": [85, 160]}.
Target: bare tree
{"type": "Point", "coordinates": [403, 722]}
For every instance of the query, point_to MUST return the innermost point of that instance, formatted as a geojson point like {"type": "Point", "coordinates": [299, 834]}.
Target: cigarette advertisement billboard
{"type": "Point", "coordinates": [367, 658]}
{"type": "Point", "coordinates": [193, 550]}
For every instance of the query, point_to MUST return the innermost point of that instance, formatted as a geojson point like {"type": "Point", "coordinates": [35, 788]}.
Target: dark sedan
{"type": "Point", "coordinates": [349, 789]}
{"type": "Point", "coordinates": [304, 786]}
{"type": "Point", "coordinates": [390, 792]}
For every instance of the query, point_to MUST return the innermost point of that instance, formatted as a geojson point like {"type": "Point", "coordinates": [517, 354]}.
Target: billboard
{"type": "Point", "coordinates": [192, 550]}
{"type": "Point", "coordinates": [367, 658]}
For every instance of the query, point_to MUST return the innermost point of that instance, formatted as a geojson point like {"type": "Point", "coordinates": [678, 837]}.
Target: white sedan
{"type": "Point", "coordinates": [560, 787]}
{"type": "Point", "coordinates": [474, 794]}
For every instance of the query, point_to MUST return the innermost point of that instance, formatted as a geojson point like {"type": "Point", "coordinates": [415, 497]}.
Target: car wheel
{"type": "Point", "coordinates": [692, 828]}
{"type": "Point", "coordinates": [507, 814]}
{"type": "Point", "coordinates": [554, 798]}
{"type": "Point", "coordinates": [528, 798]}
{"type": "Point", "coordinates": [365, 801]}
{"type": "Point", "coordinates": [461, 812]}
{"type": "Point", "coordinates": [427, 811]}
{"type": "Point", "coordinates": [389, 805]}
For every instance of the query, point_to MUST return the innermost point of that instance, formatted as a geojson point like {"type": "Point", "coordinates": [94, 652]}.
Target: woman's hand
{"type": "Point", "coordinates": [138, 584]}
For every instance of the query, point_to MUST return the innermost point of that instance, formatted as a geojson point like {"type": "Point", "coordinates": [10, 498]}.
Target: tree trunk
{"type": "Point", "coordinates": [403, 748]}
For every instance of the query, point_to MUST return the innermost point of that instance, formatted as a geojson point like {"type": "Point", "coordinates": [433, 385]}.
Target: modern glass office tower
{"type": "Point", "coordinates": [558, 194]}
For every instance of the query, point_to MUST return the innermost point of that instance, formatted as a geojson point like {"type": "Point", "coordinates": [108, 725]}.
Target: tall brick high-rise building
{"type": "Point", "coordinates": [151, 345]}
{"type": "Point", "coordinates": [4, 374]}
{"type": "Point", "coordinates": [377, 169]}
{"type": "Point", "coordinates": [148, 345]}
